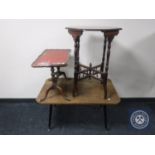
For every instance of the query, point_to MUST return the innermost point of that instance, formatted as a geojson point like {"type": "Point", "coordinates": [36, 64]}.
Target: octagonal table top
{"type": "Point", "coordinates": [94, 28]}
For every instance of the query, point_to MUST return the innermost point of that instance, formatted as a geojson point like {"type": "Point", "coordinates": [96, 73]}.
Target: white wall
{"type": "Point", "coordinates": [132, 64]}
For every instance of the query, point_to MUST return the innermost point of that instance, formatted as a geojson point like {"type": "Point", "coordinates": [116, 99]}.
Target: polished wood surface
{"type": "Point", "coordinates": [90, 28]}
{"type": "Point", "coordinates": [90, 93]}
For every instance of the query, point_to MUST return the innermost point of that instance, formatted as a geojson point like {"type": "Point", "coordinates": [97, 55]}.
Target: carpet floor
{"type": "Point", "coordinates": [26, 117]}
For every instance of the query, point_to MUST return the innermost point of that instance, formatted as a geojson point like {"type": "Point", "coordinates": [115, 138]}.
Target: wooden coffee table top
{"type": "Point", "coordinates": [52, 57]}
{"type": "Point", "coordinates": [90, 92]}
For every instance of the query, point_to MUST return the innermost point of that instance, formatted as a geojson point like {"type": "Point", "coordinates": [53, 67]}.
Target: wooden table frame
{"type": "Point", "coordinates": [99, 72]}
{"type": "Point", "coordinates": [53, 59]}
{"type": "Point", "coordinates": [87, 97]}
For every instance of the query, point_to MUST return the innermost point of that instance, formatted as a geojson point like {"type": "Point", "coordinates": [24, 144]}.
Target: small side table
{"type": "Point", "coordinates": [99, 72]}
{"type": "Point", "coordinates": [54, 59]}
{"type": "Point", "coordinates": [92, 92]}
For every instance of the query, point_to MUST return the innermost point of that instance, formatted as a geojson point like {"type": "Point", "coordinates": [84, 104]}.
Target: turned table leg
{"type": "Point", "coordinates": [107, 68]}
{"type": "Point", "coordinates": [109, 36]}
{"type": "Point", "coordinates": [76, 37]}
{"type": "Point", "coordinates": [54, 79]}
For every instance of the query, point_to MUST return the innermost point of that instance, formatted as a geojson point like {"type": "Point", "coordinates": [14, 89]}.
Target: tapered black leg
{"type": "Point", "coordinates": [50, 116]}
{"type": "Point", "coordinates": [105, 118]}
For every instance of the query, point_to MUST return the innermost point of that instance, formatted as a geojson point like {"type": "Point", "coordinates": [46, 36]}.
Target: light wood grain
{"type": "Point", "coordinates": [90, 92]}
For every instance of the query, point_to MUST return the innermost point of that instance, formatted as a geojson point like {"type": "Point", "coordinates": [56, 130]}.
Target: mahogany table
{"type": "Point", "coordinates": [99, 72]}
{"type": "Point", "coordinates": [54, 59]}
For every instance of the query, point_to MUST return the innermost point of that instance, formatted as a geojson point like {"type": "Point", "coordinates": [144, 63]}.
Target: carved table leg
{"type": "Point", "coordinates": [103, 67]}
{"type": "Point", "coordinates": [54, 78]}
{"type": "Point", "coordinates": [103, 58]}
{"type": "Point", "coordinates": [107, 69]}
{"type": "Point", "coordinates": [61, 73]}
{"type": "Point", "coordinates": [76, 37]}
{"type": "Point", "coordinates": [109, 36]}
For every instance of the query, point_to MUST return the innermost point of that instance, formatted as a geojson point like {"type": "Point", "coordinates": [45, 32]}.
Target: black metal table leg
{"type": "Point", "coordinates": [105, 118]}
{"type": "Point", "coordinates": [50, 116]}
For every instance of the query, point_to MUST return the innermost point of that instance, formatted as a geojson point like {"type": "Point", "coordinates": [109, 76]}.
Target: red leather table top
{"type": "Point", "coordinates": [52, 57]}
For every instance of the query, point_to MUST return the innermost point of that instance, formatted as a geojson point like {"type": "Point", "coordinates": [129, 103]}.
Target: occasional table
{"type": "Point", "coordinates": [99, 72]}
{"type": "Point", "coordinates": [53, 59]}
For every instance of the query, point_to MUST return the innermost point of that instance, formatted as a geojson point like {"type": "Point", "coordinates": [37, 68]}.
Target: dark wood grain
{"type": "Point", "coordinates": [101, 71]}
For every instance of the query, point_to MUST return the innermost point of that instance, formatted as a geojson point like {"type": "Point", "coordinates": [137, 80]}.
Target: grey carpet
{"type": "Point", "coordinates": [26, 117]}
